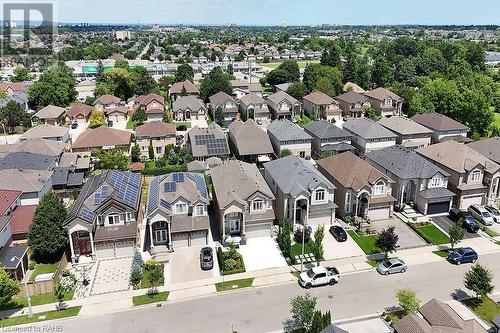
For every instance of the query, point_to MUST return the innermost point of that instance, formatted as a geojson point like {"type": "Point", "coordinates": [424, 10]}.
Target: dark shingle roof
{"type": "Point", "coordinates": [436, 192]}
{"type": "Point", "coordinates": [325, 130]}
{"type": "Point", "coordinates": [285, 130]}
{"type": "Point", "coordinates": [367, 128]}
{"type": "Point", "coordinates": [26, 161]}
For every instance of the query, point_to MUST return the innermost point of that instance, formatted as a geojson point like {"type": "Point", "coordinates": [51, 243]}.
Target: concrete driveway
{"type": "Point", "coordinates": [185, 265]}
{"type": "Point", "coordinates": [495, 227]}
{"type": "Point", "coordinates": [364, 325]}
{"type": "Point", "coordinates": [111, 275]}
{"type": "Point", "coordinates": [407, 237]}
{"type": "Point", "coordinates": [75, 133]}
{"type": "Point", "coordinates": [201, 123]}
{"type": "Point", "coordinates": [335, 250]}
{"type": "Point", "coordinates": [261, 253]}
{"type": "Point", "coordinates": [444, 223]}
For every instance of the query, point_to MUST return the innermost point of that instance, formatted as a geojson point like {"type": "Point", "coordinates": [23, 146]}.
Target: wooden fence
{"type": "Point", "coordinates": [47, 287]}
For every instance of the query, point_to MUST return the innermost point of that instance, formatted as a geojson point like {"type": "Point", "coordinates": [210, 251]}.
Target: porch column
{"type": "Point", "coordinates": [285, 209]}
{"type": "Point", "coordinates": [294, 210]}
{"type": "Point", "coordinates": [402, 194]}
{"type": "Point", "coordinates": [71, 245]}
{"type": "Point", "coordinates": [151, 234]}
{"type": "Point", "coordinates": [169, 224]}
{"type": "Point", "coordinates": [223, 226]}
{"type": "Point", "coordinates": [92, 244]}
{"type": "Point", "coordinates": [357, 206]}
{"type": "Point", "coordinates": [242, 228]}
{"type": "Point", "coordinates": [307, 213]}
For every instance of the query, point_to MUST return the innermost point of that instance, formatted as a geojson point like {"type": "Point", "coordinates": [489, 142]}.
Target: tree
{"type": "Point", "coordinates": [277, 76]}
{"type": "Point", "coordinates": [47, 236]}
{"type": "Point", "coordinates": [382, 72]}
{"type": "Point", "coordinates": [363, 75]}
{"type": "Point", "coordinates": [219, 116]}
{"type": "Point", "coordinates": [59, 293]}
{"type": "Point", "coordinates": [285, 152]}
{"type": "Point", "coordinates": [143, 82]}
{"type": "Point", "coordinates": [230, 69]}
{"type": "Point", "coordinates": [12, 115]}
{"type": "Point", "coordinates": [302, 311]}
{"type": "Point", "coordinates": [317, 249]}
{"type": "Point", "coordinates": [184, 72]}
{"type": "Point", "coordinates": [371, 113]}
{"type": "Point", "coordinates": [166, 81]}
{"type": "Point", "coordinates": [351, 63]}
{"type": "Point", "coordinates": [408, 300]}
{"type": "Point", "coordinates": [215, 82]}
{"type": "Point", "coordinates": [8, 287]}
{"type": "Point", "coordinates": [331, 55]}
{"type": "Point", "coordinates": [151, 151]}
{"type": "Point", "coordinates": [139, 116]}
{"type": "Point", "coordinates": [240, 56]}
{"type": "Point", "coordinates": [387, 240]}
{"type": "Point", "coordinates": [96, 119]}
{"type": "Point", "coordinates": [56, 86]}
{"type": "Point", "coordinates": [21, 74]}
{"type": "Point", "coordinates": [479, 280]}
{"type": "Point", "coordinates": [405, 71]}
{"type": "Point", "coordinates": [320, 321]}
{"type": "Point", "coordinates": [297, 90]}
{"type": "Point", "coordinates": [456, 233]}
{"type": "Point", "coordinates": [121, 64]}
{"type": "Point", "coordinates": [111, 159]}
{"type": "Point", "coordinates": [154, 278]}
{"type": "Point", "coordinates": [135, 153]}
{"type": "Point", "coordinates": [292, 69]}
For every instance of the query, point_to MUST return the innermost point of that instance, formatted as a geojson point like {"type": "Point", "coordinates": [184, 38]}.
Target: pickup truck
{"type": "Point", "coordinates": [318, 276]}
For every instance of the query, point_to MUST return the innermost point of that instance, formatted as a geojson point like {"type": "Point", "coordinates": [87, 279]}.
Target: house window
{"type": "Point", "coordinates": [435, 182]}
{"type": "Point", "coordinates": [257, 205]}
{"type": "Point", "coordinates": [320, 195]}
{"type": "Point", "coordinates": [199, 210]}
{"type": "Point", "coordinates": [181, 208]}
{"type": "Point", "coordinates": [113, 219]}
{"type": "Point", "coordinates": [158, 150]}
{"type": "Point", "coordinates": [379, 188]}
{"type": "Point", "coordinates": [129, 216]}
{"type": "Point", "coordinates": [475, 176]}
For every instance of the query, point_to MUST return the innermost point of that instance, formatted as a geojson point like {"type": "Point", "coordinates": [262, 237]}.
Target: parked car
{"type": "Point", "coordinates": [206, 258]}
{"type": "Point", "coordinates": [318, 276]}
{"type": "Point", "coordinates": [74, 125]}
{"type": "Point", "coordinates": [493, 211]}
{"type": "Point", "coordinates": [390, 266]}
{"type": "Point", "coordinates": [464, 254]}
{"type": "Point", "coordinates": [481, 214]}
{"type": "Point", "coordinates": [468, 221]}
{"type": "Point", "coordinates": [338, 233]}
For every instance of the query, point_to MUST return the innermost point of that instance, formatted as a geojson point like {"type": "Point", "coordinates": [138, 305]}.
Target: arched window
{"type": "Point", "coordinates": [379, 188]}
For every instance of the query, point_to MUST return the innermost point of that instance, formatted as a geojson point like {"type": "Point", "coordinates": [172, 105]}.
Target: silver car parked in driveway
{"type": "Point", "coordinates": [390, 266]}
{"type": "Point", "coordinates": [481, 214]}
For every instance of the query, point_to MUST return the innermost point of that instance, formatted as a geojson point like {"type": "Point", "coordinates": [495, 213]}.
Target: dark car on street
{"type": "Point", "coordinates": [468, 221]}
{"type": "Point", "coordinates": [206, 258]}
{"type": "Point", "coordinates": [338, 233]}
{"type": "Point", "coordinates": [462, 255]}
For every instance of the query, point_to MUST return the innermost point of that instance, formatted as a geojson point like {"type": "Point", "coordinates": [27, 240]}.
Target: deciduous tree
{"type": "Point", "coordinates": [387, 240]}
{"type": "Point", "coordinates": [408, 300]}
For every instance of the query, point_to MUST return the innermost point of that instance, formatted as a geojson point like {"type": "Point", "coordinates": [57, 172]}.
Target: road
{"type": "Point", "coordinates": [264, 309]}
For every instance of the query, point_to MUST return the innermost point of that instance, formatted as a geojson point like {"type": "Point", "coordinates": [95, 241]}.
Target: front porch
{"type": "Point", "coordinates": [81, 243]}
{"type": "Point", "coordinates": [233, 229]}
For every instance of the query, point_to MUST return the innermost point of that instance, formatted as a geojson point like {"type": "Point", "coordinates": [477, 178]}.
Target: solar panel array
{"type": "Point", "coordinates": [87, 213]}
{"type": "Point", "coordinates": [153, 195]}
{"type": "Point", "coordinates": [170, 187]}
{"type": "Point", "coordinates": [97, 198]}
{"type": "Point", "coordinates": [165, 203]}
{"type": "Point", "coordinates": [127, 185]}
{"type": "Point", "coordinates": [215, 146]}
{"type": "Point", "coordinates": [178, 177]}
{"type": "Point", "coordinates": [200, 183]}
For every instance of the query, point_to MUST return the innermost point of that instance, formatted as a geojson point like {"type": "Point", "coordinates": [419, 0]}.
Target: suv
{"type": "Point", "coordinates": [468, 221]}
{"type": "Point", "coordinates": [465, 254]}
{"type": "Point", "coordinates": [481, 214]}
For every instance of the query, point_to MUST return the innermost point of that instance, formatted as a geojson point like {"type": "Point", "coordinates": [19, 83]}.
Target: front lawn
{"type": "Point", "coordinates": [488, 231]}
{"type": "Point", "coordinates": [43, 269]}
{"type": "Point", "coordinates": [485, 308]}
{"type": "Point", "coordinates": [441, 253]}
{"type": "Point", "coordinates": [297, 249]}
{"type": "Point", "coordinates": [20, 301]}
{"type": "Point", "coordinates": [182, 123]}
{"type": "Point", "coordinates": [365, 242]}
{"type": "Point", "coordinates": [42, 316]}
{"type": "Point", "coordinates": [235, 284]}
{"type": "Point", "coordinates": [145, 282]}
{"type": "Point", "coordinates": [150, 298]}
{"type": "Point", "coordinates": [303, 121]}
{"type": "Point", "coordinates": [430, 233]}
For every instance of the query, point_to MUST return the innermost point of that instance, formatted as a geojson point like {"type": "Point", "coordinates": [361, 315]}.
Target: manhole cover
{"type": "Point", "coordinates": [330, 296]}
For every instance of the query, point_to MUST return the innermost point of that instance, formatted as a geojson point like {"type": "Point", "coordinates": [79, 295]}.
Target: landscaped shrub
{"type": "Point", "coordinates": [31, 265]}
{"type": "Point", "coordinates": [136, 275]}
{"type": "Point", "coordinates": [229, 264]}
{"type": "Point", "coordinates": [181, 128]}
{"type": "Point", "coordinates": [302, 236]}
{"type": "Point", "coordinates": [150, 264]}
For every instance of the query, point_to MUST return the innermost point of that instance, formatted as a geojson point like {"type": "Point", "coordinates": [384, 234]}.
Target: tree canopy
{"type": "Point", "coordinates": [215, 82]}
{"type": "Point", "coordinates": [56, 86]}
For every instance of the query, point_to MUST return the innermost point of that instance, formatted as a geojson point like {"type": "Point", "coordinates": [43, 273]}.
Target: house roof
{"type": "Point", "coordinates": [27, 161]}
{"type": "Point", "coordinates": [488, 147]}
{"type": "Point", "coordinates": [9, 252]}
{"type": "Point", "coordinates": [320, 98]}
{"type": "Point", "coordinates": [367, 128]}
{"type": "Point", "coordinates": [66, 176]}
{"type": "Point", "coordinates": [120, 109]}
{"type": "Point", "coordinates": [352, 97]}
{"type": "Point", "coordinates": [7, 199]}
{"type": "Point", "coordinates": [188, 103]}
{"type": "Point", "coordinates": [281, 96]}
{"type": "Point", "coordinates": [237, 181]}
{"type": "Point", "coordinates": [190, 88]}
{"type": "Point", "coordinates": [351, 86]}
{"type": "Point", "coordinates": [404, 163]}
{"type": "Point", "coordinates": [351, 171]}
{"type": "Point", "coordinates": [144, 100]}
{"type": "Point", "coordinates": [101, 137]}
{"type": "Point", "coordinates": [40, 146]}
{"type": "Point", "coordinates": [403, 126]}
{"type": "Point", "coordinates": [196, 165]}
{"type": "Point", "coordinates": [155, 129]}
{"type": "Point", "coordinates": [245, 85]}
{"type": "Point", "coordinates": [19, 97]}
{"type": "Point", "coordinates": [438, 122]}
{"type": "Point", "coordinates": [285, 130]}
{"type": "Point", "coordinates": [251, 99]}
{"type": "Point", "coordinates": [457, 156]}
{"type": "Point", "coordinates": [325, 130]}
{"type": "Point", "coordinates": [25, 181]}
{"type": "Point", "coordinates": [44, 131]}
{"type": "Point", "coordinates": [436, 192]}
{"type": "Point", "coordinates": [381, 93]}
{"type": "Point", "coordinates": [15, 86]}
{"type": "Point", "coordinates": [107, 99]}
{"type": "Point", "coordinates": [22, 217]}
{"type": "Point", "coordinates": [79, 109]}
{"type": "Point", "coordinates": [220, 98]}
{"type": "Point", "coordinates": [294, 175]}
{"type": "Point", "coordinates": [209, 141]}
{"type": "Point", "coordinates": [249, 138]}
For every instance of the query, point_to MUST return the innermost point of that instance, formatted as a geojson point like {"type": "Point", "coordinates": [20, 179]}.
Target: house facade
{"type": "Point", "coordinates": [319, 105]}
{"type": "Point", "coordinates": [186, 108]}
{"type": "Point", "coordinates": [368, 135]}
{"type": "Point", "coordinates": [227, 104]}
{"type": "Point", "coordinates": [106, 102]}
{"type": "Point", "coordinates": [385, 102]}
{"type": "Point", "coordinates": [102, 138]}
{"type": "Point", "coordinates": [51, 115]}
{"type": "Point", "coordinates": [410, 134]}
{"type": "Point", "coordinates": [157, 134]}
{"type": "Point", "coordinates": [286, 135]}
{"type": "Point", "coordinates": [79, 113]}
{"type": "Point", "coordinates": [442, 126]}
{"type": "Point", "coordinates": [253, 106]}
{"type": "Point", "coordinates": [283, 106]}
{"type": "Point", "coordinates": [353, 104]}
{"type": "Point", "coordinates": [153, 104]}
{"type": "Point", "coordinates": [328, 138]}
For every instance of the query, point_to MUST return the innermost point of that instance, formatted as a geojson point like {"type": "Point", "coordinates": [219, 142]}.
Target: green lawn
{"type": "Point", "coordinates": [497, 119]}
{"type": "Point", "coordinates": [150, 298]}
{"type": "Point", "coordinates": [441, 253]}
{"type": "Point", "coordinates": [487, 230]}
{"type": "Point", "coordinates": [185, 123]}
{"type": "Point", "coordinates": [301, 63]}
{"type": "Point", "coordinates": [20, 301]}
{"type": "Point", "coordinates": [235, 284]}
{"type": "Point", "coordinates": [431, 234]}
{"type": "Point", "coordinates": [303, 122]}
{"type": "Point", "coordinates": [145, 279]}
{"type": "Point", "coordinates": [43, 269]}
{"type": "Point", "coordinates": [365, 242]}
{"type": "Point", "coordinates": [297, 249]}
{"type": "Point", "coordinates": [487, 309]}
{"type": "Point", "coordinates": [394, 317]}
{"type": "Point", "coordinates": [42, 316]}
{"type": "Point", "coordinates": [497, 243]}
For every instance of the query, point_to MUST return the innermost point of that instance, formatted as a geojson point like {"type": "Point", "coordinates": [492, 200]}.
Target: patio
{"type": "Point", "coordinates": [261, 253]}
{"type": "Point", "coordinates": [111, 275]}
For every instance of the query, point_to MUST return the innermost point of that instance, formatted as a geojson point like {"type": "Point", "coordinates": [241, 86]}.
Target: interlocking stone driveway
{"type": "Point", "coordinates": [407, 237]}
{"type": "Point", "coordinates": [112, 275]}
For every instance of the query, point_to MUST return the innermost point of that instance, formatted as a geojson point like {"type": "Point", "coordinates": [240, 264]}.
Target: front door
{"type": "Point", "coordinates": [234, 225]}
{"type": "Point", "coordinates": [161, 236]}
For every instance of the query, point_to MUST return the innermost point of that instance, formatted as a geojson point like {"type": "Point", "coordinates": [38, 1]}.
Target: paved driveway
{"type": "Point", "coordinates": [335, 250]}
{"type": "Point", "coordinates": [407, 237]}
{"type": "Point", "coordinates": [75, 133]}
{"type": "Point", "coordinates": [111, 275]}
{"type": "Point", "coordinates": [495, 227]}
{"type": "Point", "coordinates": [364, 325]}
{"type": "Point", "coordinates": [185, 265]}
{"type": "Point", "coordinates": [261, 253]}
{"type": "Point", "coordinates": [445, 223]}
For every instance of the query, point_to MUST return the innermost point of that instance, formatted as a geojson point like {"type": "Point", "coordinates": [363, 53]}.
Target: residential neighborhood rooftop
{"type": "Point", "coordinates": [285, 130]}
{"type": "Point", "coordinates": [324, 129]}
{"type": "Point", "coordinates": [403, 125]}
{"type": "Point", "coordinates": [367, 128]}
{"type": "Point", "coordinates": [101, 137]}
{"type": "Point", "coordinates": [438, 122]}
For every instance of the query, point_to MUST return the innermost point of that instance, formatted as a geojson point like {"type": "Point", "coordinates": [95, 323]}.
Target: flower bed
{"type": "Point", "coordinates": [230, 262]}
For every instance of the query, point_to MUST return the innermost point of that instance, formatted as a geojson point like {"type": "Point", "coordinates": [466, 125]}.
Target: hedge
{"type": "Point", "coordinates": [164, 170]}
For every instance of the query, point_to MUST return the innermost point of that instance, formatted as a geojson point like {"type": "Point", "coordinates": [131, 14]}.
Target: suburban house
{"type": "Point", "coordinates": [74, 160]}
{"type": "Point", "coordinates": [9, 201]}
{"type": "Point", "coordinates": [353, 104]}
{"type": "Point", "coordinates": [157, 134]}
{"type": "Point", "coordinates": [253, 106]}
{"type": "Point", "coordinates": [51, 114]}
{"type": "Point", "coordinates": [328, 138]}
{"type": "Point", "coordinates": [79, 113]}
{"type": "Point", "coordinates": [186, 108]}
{"type": "Point", "coordinates": [243, 203]}
{"type": "Point", "coordinates": [49, 132]}
{"type": "Point", "coordinates": [436, 316]}
{"type": "Point", "coordinates": [362, 190]}
{"type": "Point", "coordinates": [286, 135]}
{"type": "Point", "coordinates": [283, 106]}
{"type": "Point", "coordinates": [9, 261]}
{"type": "Point", "coordinates": [204, 166]}
{"type": "Point", "coordinates": [32, 184]}
{"type": "Point", "coordinates": [66, 180]}
{"type": "Point", "coordinates": [36, 146]}
{"type": "Point", "coordinates": [19, 97]}
{"type": "Point", "coordinates": [207, 142]}
{"type": "Point", "coordinates": [103, 220]}
{"type": "Point", "coordinates": [102, 138]}
{"type": "Point", "coordinates": [117, 115]}
{"type": "Point", "coordinates": [180, 88]}
{"type": "Point", "coordinates": [303, 194]}
{"type": "Point", "coordinates": [153, 104]}
{"type": "Point", "coordinates": [488, 147]}
{"type": "Point", "coordinates": [385, 102]}
{"type": "Point", "coordinates": [242, 88]}
{"type": "Point", "coordinates": [442, 126]}
{"type": "Point", "coordinates": [28, 161]}
{"type": "Point", "coordinates": [319, 105]}
{"type": "Point", "coordinates": [409, 133]}
{"type": "Point", "coordinates": [106, 102]}
{"type": "Point", "coordinates": [227, 104]}
{"type": "Point", "coordinates": [249, 143]}
{"type": "Point", "coordinates": [10, 88]}
{"type": "Point", "coordinates": [177, 212]}
{"type": "Point", "coordinates": [368, 135]}
{"type": "Point", "coordinates": [417, 181]}
{"type": "Point", "coordinates": [474, 178]}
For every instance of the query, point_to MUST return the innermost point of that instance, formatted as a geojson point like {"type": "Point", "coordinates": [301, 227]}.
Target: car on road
{"type": "Point", "coordinates": [462, 255]}
{"type": "Point", "coordinates": [338, 233]}
{"type": "Point", "coordinates": [319, 276]}
{"type": "Point", "coordinates": [391, 266]}
{"type": "Point", "coordinates": [206, 258]}
{"type": "Point", "coordinates": [481, 214]}
{"type": "Point", "coordinates": [468, 221]}
{"type": "Point", "coordinates": [493, 211]}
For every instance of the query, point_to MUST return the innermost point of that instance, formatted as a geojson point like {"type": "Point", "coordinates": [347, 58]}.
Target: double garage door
{"type": "Point", "coordinates": [115, 249]}
{"type": "Point", "coordinates": [196, 238]}
{"type": "Point", "coordinates": [258, 230]}
{"type": "Point", "coordinates": [471, 200]}
{"type": "Point", "coordinates": [438, 207]}
{"type": "Point", "coordinates": [379, 213]}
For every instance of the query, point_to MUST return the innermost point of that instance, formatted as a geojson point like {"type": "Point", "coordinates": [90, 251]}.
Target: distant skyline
{"type": "Point", "coordinates": [275, 12]}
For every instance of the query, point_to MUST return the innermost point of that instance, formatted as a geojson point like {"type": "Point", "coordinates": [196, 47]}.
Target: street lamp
{"type": "Point", "coordinates": [30, 312]}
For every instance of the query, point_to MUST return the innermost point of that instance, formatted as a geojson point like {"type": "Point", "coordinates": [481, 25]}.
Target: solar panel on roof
{"type": "Point", "coordinates": [97, 198]}
{"type": "Point", "coordinates": [170, 187]}
{"type": "Point", "coordinates": [200, 183]}
{"type": "Point", "coordinates": [165, 204]}
{"type": "Point", "coordinates": [104, 191]}
{"type": "Point", "coordinates": [153, 195]}
{"type": "Point", "coordinates": [87, 213]}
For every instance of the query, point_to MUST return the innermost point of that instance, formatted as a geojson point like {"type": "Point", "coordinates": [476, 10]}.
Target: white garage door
{"type": "Point", "coordinates": [179, 240]}
{"type": "Point", "coordinates": [198, 238]}
{"type": "Point", "coordinates": [474, 200]}
{"type": "Point", "coordinates": [258, 230]}
{"type": "Point", "coordinates": [81, 120]}
{"type": "Point", "coordinates": [124, 248]}
{"type": "Point", "coordinates": [104, 250]}
{"type": "Point", "coordinates": [378, 213]}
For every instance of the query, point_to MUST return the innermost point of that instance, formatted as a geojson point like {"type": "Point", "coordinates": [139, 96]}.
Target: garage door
{"type": "Point", "coordinates": [438, 207]}
{"type": "Point", "coordinates": [104, 250]}
{"type": "Point", "coordinates": [81, 120]}
{"type": "Point", "coordinates": [258, 230]}
{"type": "Point", "coordinates": [467, 201]}
{"type": "Point", "coordinates": [124, 248]}
{"type": "Point", "coordinates": [378, 213]}
{"type": "Point", "coordinates": [198, 238]}
{"type": "Point", "coordinates": [180, 240]}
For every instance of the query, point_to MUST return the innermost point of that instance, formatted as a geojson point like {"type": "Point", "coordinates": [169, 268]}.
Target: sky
{"type": "Point", "coordinates": [275, 12]}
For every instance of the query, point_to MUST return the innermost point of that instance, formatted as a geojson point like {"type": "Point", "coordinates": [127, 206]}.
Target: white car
{"type": "Point", "coordinates": [481, 214]}
{"type": "Point", "coordinates": [319, 276]}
